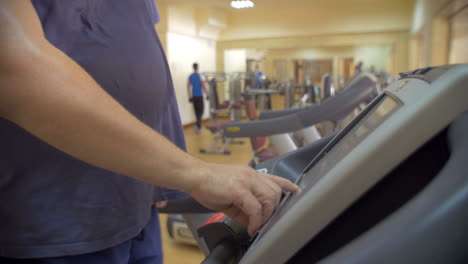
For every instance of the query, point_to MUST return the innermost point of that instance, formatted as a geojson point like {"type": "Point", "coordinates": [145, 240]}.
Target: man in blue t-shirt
{"type": "Point", "coordinates": [90, 138]}
{"type": "Point", "coordinates": [195, 87]}
{"type": "Point", "coordinates": [258, 77]}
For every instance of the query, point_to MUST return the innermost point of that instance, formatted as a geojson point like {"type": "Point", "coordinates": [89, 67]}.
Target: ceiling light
{"type": "Point", "coordinates": [242, 4]}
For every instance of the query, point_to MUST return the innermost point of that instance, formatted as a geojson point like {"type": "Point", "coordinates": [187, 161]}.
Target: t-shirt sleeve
{"type": "Point", "coordinates": [202, 77]}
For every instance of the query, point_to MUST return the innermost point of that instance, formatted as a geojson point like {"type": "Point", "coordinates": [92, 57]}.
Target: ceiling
{"type": "Point", "coordinates": [225, 4]}
{"type": "Point", "coordinates": [273, 18]}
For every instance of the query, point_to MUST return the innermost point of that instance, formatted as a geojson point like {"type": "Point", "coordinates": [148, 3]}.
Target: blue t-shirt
{"type": "Point", "coordinates": [258, 77]}
{"type": "Point", "coordinates": [196, 82]}
{"type": "Point", "coordinates": [52, 204]}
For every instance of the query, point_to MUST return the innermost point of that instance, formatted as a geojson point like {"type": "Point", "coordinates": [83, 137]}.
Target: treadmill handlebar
{"type": "Point", "coordinates": [334, 109]}
{"type": "Point", "coordinates": [286, 112]}
{"type": "Point", "coordinates": [226, 239]}
{"type": "Point", "coordinates": [221, 254]}
{"type": "Point", "coordinates": [263, 91]}
{"type": "Point", "coordinates": [184, 206]}
{"type": "Point", "coordinates": [261, 128]}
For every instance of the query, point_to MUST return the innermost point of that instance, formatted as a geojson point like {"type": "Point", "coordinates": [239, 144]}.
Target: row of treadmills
{"type": "Point", "coordinates": [389, 187]}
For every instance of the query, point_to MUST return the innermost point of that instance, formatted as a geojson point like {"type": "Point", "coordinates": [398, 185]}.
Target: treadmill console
{"type": "Point", "coordinates": [339, 147]}
{"type": "Point", "coordinates": [410, 112]}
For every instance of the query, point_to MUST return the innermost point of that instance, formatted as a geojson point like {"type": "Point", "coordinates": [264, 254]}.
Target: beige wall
{"type": "Point", "coordinates": [424, 11]}
{"type": "Point", "coordinates": [317, 18]}
{"type": "Point", "coordinates": [235, 60]}
{"type": "Point", "coordinates": [430, 33]}
{"type": "Point", "coordinates": [182, 51]}
{"type": "Point", "coordinates": [324, 29]}
{"type": "Point", "coordinates": [367, 46]}
{"type": "Point", "coordinates": [459, 37]}
{"type": "Point", "coordinates": [188, 35]}
{"type": "Point", "coordinates": [373, 54]}
{"type": "Point", "coordinates": [161, 27]}
{"type": "Point", "coordinates": [182, 20]}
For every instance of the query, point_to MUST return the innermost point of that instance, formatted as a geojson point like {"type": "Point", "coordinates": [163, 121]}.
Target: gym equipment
{"type": "Point", "coordinates": [309, 95]}
{"type": "Point", "coordinates": [260, 145]}
{"type": "Point", "coordinates": [328, 90]}
{"type": "Point", "coordinates": [263, 94]}
{"type": "Point", "coordinates": [184, 217]}
{"type": "Point", "coordinates": [289, 91]}
{"type": "Point", "coordinates": [279, 125]}
{"type": "Point", "coordinates": [231, 107]}
{"type": "Point", "coordinates": [391, 187]}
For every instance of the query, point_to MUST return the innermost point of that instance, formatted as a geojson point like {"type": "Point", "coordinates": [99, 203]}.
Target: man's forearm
{"type": "Point", "coordinates": [57, 101]}
{"type": "Point", "coordinates": [204, 87]}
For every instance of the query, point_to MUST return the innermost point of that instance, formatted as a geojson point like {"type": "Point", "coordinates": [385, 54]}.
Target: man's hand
{"type": "Point", "coordinates": [250, 198]}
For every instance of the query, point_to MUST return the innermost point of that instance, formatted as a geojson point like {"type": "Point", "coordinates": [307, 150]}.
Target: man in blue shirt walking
{"type": "Point", "coordinates": [195, 87]}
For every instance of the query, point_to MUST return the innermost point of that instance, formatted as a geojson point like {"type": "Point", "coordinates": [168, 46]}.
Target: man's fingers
{"type": "Point", "coordinates": [284, 183]}
{"type": "Point", "coordinates": [273, 185]}
{"type": "Point", "coordinates": [269, 204]}
{"type": "Point", "coordinates": [238, 216]}
{"type": "Point", "coordinates": [267, 211]}
{"type": "Point", "coordinates": [249, 205]}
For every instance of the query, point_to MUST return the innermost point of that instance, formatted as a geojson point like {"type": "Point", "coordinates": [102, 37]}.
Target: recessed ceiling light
{"type": "Point", "coordinates": [242, 4]}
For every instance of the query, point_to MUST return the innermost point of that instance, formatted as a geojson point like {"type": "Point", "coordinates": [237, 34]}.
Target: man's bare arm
{"type": "Point", "coordinates": [49, 95]}
{"type": "Point", "coordinates": [204, 87]}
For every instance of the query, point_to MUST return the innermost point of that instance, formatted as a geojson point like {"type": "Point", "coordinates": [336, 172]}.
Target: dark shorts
{"type": "Point", "coordinates": [143, 249]}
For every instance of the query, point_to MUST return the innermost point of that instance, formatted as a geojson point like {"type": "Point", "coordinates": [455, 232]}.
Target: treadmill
{"type": "Point", "coordinates": [391, 187]}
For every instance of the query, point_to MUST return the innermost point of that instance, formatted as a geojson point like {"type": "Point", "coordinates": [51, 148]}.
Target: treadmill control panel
{"type": "Point", "coordinates": [336, 151]}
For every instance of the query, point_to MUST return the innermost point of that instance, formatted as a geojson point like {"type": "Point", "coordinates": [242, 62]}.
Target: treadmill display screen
{"type": "Point", "coordinates": [350, 140]}
{"type": "Point", "coordinates": [334, 153]}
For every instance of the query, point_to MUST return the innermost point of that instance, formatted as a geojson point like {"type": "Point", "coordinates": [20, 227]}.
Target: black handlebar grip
{"type": "Point", "coordinates": [223, 253]}
{"type": "Point", "coordinates": [184, 206]}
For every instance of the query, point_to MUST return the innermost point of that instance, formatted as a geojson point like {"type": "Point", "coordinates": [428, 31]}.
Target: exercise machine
{"type": "Point", "coordinates": [230, 107]}
{"type": "Point", "coordinates": [391, 187]}
{"type": "Point", "coordinates": [279, 125]}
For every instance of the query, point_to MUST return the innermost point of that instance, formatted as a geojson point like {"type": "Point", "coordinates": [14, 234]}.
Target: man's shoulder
{"type": "Point", "coordinates": [195, 76]}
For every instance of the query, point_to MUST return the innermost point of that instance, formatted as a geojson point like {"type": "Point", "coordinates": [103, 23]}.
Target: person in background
{"type": "Point", "coordinates": [358, 68]}
{"type": "Point", "coordinates": [195, 88]}
{"type": "Point", "coordinates": [258, 77]}
{"type": "Point", "coordinates": [91, 138]}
